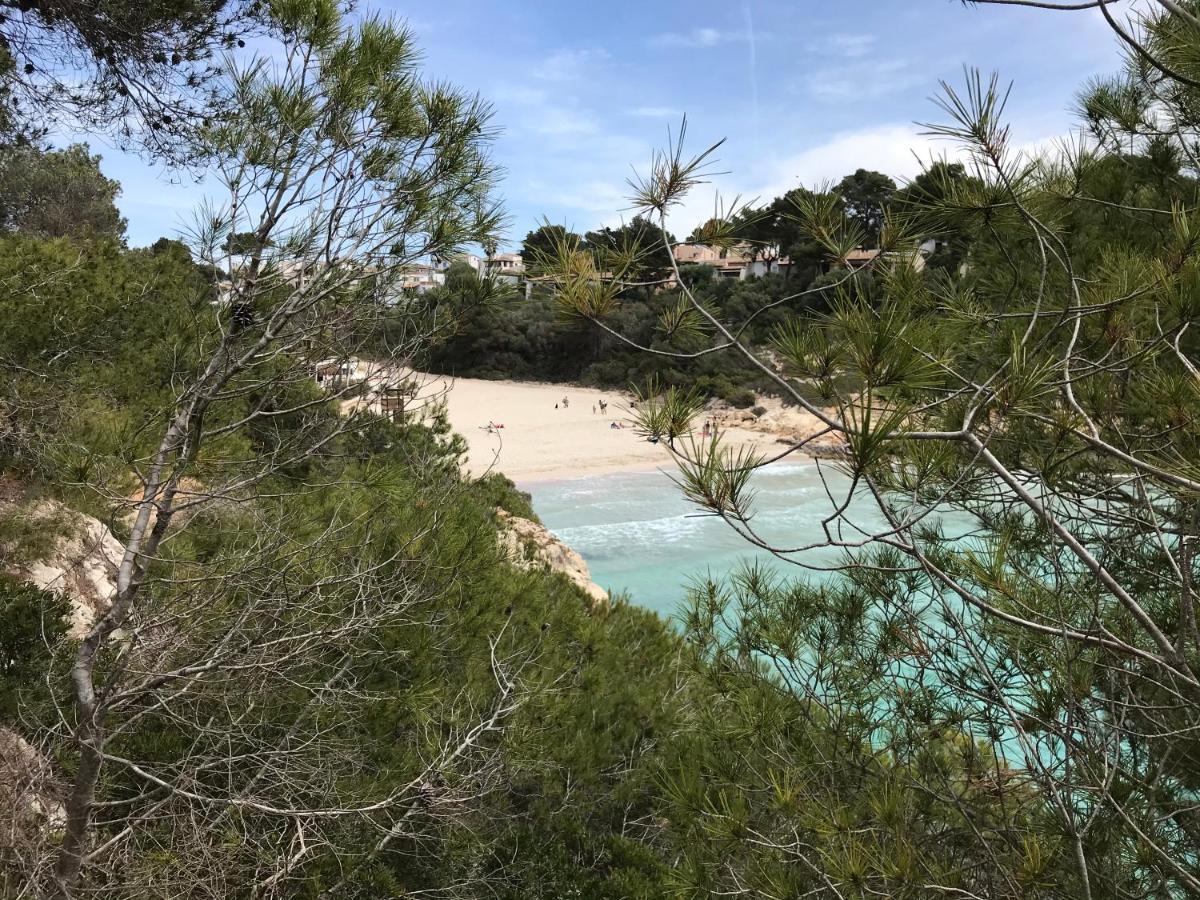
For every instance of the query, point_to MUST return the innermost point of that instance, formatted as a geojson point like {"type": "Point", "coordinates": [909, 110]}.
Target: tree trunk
{"type": "Point", "coordinates": [79, 811]}
{"type": "Point", "coordinates": [90, 732]}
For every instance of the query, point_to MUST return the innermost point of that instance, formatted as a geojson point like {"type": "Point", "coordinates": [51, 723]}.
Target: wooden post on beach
{"type": "Point", "coordinates": [392, 404]}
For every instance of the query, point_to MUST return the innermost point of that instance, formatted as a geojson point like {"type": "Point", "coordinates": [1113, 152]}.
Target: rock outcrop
{"type": "Point", "coordinates": [529, 545]}
{"type": "Point", "coordinates": [31, 811]}
{"type": "Point", "coordinates": [80, 564]}
{"type": "Point", "coordinates": [780, 423]}
{"type": "Point", "coordinates": [26, 782]}
{"type": "Point", "coordinates": [188, 497]}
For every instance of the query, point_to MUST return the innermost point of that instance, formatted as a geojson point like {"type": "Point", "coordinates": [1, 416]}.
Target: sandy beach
{"type": "Point", "coordinates": [543, 439]}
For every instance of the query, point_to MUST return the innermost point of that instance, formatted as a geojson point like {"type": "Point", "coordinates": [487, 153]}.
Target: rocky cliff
{"type": "Point", "coordinates": [530, 545]}
{"type": "Point", "coordinates": [776, 422]}
{"type": "Point", "coordinates": [27, 789]}
{"type": "Point", "coordinates": [78, 559]}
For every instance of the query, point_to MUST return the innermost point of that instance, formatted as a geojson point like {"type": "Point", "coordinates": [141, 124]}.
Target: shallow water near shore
{"type": "Point", "coordinates": [639, 535]}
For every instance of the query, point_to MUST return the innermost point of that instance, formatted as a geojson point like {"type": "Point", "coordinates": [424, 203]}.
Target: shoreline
{"type": "Point", "coordinates": [530, 481]}
{"type": "Point", "coordinates": [796, 461]}
{"type": "Point", "coordinates": [534, 432]}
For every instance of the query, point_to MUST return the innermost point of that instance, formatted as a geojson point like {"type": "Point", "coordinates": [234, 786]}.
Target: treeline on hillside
{"type": "Point", "coordinates": [538, 337]}
{"type": "Point", "coordinates": [531, 338]}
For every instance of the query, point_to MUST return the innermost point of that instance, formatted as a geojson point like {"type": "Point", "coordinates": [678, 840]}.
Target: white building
{"type": "Point", "coordinates": [478, 263]}
{"type": "Point", "coordinates": [505, 266]}
{"type": "Point", "coordinates": [420, 278]}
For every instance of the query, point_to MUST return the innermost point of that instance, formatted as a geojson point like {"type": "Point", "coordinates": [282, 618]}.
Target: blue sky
{"type": "Point", "coordinates": [802, 91]}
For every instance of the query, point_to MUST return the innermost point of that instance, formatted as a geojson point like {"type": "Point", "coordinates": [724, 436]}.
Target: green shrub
{"type": "Point", "coordinates": [742, 398]}
{"type": "Point", "coordinates": [26, 537]}
{"type": "Point", "coordinates": [34, 621]}
{"type": "Point", "coordinates": [497, 489]}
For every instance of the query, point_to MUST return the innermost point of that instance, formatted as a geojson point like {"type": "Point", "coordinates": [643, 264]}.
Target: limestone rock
{"type": "Point", "coordinates": [188, 496]}
{"type": "Point", "coordinates": [82, 564]}
{"type": "Point", "coordinates": [26, 783]}
{"type": "Point", "coordinates": [529, 545]}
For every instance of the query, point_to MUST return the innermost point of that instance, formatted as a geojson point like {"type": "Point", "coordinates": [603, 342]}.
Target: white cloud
{"type": "Point", "coordinates": [830, 84]}
{"type": "Point", "coordinates": [862, 81]}
{"type": "Point", "coordinates": [558, 120]}
{"type": "Point", "coordinates": [895, 149]}
{"type": "Point", "coordinates": [601, 198]}
{"type": "Point", "coordinates": [657, 112]}
{"type": "Point", "coordinates": [569, 65]}
{"type": "Point", "coordinates": [538, 111]}
{"type": "Point", "coordinates": [523, 96]}
{"type": "Point", "coordinates": [697, 38]}
{"type": "Point", "coordinates": [850, 45]}
{"type": "Point", "coordinates": [900, 151]}
{"type": "Point", "coordinates": [884, 148]}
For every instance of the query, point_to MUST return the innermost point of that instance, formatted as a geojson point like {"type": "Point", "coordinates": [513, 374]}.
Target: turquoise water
{"type": "Point", "coordinates": [639, 535]}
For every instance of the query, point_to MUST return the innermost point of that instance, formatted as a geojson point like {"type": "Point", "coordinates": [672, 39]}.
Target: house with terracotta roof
{"type": "Point", "coordinates": [733, 262]}
{"type": "Point", "coordinates": [862, 257]}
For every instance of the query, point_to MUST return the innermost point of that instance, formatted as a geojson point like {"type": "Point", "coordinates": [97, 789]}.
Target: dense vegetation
{"type": "Point", "coordinates": [531, 337]}
{"type": "Point", "coordinates": [321, 677]}
{"type": "Point", "coordinates": [1021, 421]}
{"type": "Point", "coordinates": [597, 767]}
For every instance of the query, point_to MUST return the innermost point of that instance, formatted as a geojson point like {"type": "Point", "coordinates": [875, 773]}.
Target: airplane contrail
{"type": "Point", "coordinates": [753, 69]}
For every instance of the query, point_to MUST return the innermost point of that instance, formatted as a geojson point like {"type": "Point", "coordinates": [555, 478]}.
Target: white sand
{"type": "Point", "coordinates": [541, 443]}
{"type": "Point", "coordinates": [543, 439]}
